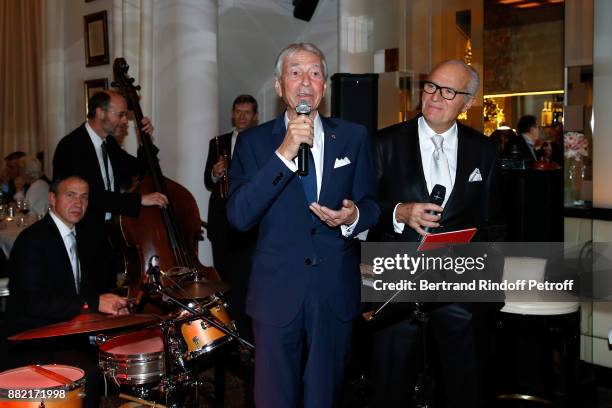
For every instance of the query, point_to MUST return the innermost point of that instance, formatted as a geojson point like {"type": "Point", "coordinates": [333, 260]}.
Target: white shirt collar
{"type": "Point", "coordinates": [450, 135]}
{"type": "Point", "coordinates": [61, 226]}
{"type": "Point", "coordinates": [318, 129]}
{"type": "Point", "coordinates": [95, 138]}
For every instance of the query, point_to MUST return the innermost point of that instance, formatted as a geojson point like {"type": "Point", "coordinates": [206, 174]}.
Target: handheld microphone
{"type": "Point", "coordinates": [303, 108]}
{"type": "Point", "coordinates": [438, 192]}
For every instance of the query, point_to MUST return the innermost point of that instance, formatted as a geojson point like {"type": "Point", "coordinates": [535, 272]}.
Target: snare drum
{"type": "Point", "coordinates": [29, 383]}
{"type": "Point", "coordinates": [200, 336]}
{"type": "Point", "coordinates": [134, 358]}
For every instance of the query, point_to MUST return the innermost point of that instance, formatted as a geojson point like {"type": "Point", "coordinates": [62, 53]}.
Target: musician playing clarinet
{"type": "Point", "coordinates": [230, 247]}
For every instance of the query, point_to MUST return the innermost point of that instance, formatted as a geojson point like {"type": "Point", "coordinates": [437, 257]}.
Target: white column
{"type": "Point", "coordinates": [53, 80]}
{"type": "Point", "coordinates": [602, 89]}
{"type": "Point", "coordinates": [185, 93]}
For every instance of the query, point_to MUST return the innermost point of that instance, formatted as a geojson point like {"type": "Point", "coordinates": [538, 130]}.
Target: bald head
{"type": "Point", "coordinates": [439, 112]}
{"type": "Point", "coordinates": [107, 113]}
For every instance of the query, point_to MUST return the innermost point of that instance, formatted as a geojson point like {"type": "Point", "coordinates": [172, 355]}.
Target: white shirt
{"type": "Point", "coordinates": [65, 232]}
{"type": "Point", "coordinates": [317, 149]}
{"type": "Point", "coordinates": [427, 148]}
{"type": "Point", "coordinates": [97, 142]}
{"type": "Point", "coordinates": [37, 197]}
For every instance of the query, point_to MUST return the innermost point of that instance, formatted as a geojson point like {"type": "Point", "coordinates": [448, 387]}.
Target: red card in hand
{"type": "Point", "coordinates": [437, 241]}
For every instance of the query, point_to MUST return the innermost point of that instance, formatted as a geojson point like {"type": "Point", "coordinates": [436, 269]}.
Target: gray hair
{"type": "Point", "coordinates": [31, 167]}
{"type": "Point", "coordinates": [474, 82]}
{"type": "Point", "coordinates": [292, 49]}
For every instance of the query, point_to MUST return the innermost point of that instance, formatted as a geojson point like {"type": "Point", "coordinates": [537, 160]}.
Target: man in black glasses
{"type": "Point", "coordinates": [410, 159]}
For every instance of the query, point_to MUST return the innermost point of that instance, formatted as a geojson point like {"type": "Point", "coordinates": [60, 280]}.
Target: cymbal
{"type": "Point", "coordinates": [85, 323]}
{"type": "Point", "coordinates": [199, 289]}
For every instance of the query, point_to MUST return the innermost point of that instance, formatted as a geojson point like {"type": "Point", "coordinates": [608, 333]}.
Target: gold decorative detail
{"type": "Point", "coordinates": [494, 115]}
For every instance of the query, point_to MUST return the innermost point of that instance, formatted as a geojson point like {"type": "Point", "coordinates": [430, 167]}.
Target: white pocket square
{"type": "Point", "coordinates": [475, 176]}
{"type": "Point", "coordinates": [341, 162]}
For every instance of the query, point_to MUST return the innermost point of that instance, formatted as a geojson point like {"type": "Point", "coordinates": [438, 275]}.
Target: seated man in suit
{"type": "Point", "coordinates": [51, 279]}
{"type": "Point", "coordinates": [305, 285]}
{"type": "Point", "coordinates": [410, 159]}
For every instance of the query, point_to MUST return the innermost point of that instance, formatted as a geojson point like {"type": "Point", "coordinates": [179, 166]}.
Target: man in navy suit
{"type": "Point", "coordinates": [305, 284]}
{"type": "Point", "coordinates": [410, 159]}
{"type": "Point", "coordinates": [53, 278]}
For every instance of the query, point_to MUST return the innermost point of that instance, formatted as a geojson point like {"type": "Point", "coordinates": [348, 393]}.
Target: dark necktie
{"type": "Point", "coordinates": [105, 160]}
{"type": "Point", "coordinates": [309, 182]}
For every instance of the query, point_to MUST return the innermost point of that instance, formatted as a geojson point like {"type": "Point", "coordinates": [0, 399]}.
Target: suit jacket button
{"type": "Point", "coordinates": [313, 231]}
{"type": "Point", "coordinates": [308, 261]}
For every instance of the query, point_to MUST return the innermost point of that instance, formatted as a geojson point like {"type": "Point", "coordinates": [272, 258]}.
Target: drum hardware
{"type": "Point", "coordinates": [155, 287]}
{"type": "Point", "coordinates": [204, 315]}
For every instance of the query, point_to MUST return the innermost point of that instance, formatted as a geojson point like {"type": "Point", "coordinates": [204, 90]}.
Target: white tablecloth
{"type": "Point", "coordinates": [9, 230]}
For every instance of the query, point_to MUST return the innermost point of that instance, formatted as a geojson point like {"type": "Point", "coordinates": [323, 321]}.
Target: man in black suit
{"type": "Point", "coordinates": [92, 152]}
{"type": "Point", "coordinates": [410, 158]}
{"type": "Point", "coordinates": [528, 134]}
{"type": "Point", "coordinates": [231, 248]}
{"type": "Point", "coordinates": [53, 278]}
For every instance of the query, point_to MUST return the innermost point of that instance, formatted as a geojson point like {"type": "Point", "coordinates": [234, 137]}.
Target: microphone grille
{"type": "Point", "coordinates": [438, 192]}
{"type": "Point", "coordinates": [303, 108]}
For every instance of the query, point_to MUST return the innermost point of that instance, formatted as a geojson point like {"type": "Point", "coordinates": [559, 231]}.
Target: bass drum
{"type": "Point", "coordinates": [36, 390]}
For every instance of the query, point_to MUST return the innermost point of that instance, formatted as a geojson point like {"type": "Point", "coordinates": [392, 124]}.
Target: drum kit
{"type": "Point", "coordinates": [154, 360]}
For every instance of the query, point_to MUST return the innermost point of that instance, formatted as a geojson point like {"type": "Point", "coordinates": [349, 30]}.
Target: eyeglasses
{"type": "Point", "coordinates": [446, 92]}
{"type": "Point", "coordinates": [120, 115]}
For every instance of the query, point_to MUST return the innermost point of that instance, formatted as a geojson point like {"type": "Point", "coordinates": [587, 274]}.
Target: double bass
{"type": "Point", "coordinates": [171, 233]}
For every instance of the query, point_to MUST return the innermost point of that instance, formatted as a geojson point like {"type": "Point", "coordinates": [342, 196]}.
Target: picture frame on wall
{"type": "Point", "coordinates": [92, 87]}
{"type": "Point", "coordinates": [96, 39]}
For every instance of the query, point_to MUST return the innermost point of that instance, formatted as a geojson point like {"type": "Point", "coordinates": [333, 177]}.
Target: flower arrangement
{"type": "Point", "coordinates": [575, 145]}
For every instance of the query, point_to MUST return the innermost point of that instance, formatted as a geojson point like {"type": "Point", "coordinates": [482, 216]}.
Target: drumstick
{"type": "Point", "coordinates": [141, 401]}
{"type": "Point", "coordinates": [51, 374]}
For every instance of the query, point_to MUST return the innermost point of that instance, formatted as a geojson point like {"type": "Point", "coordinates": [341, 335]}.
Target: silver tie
{"type": "Point", "coordinates": [74, 260]}
{"type": "Point", "coordinates": [440, 171]}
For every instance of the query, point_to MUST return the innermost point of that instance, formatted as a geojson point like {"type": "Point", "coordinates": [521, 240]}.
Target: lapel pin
{"type": "Point", "coordinates": [333, 136]}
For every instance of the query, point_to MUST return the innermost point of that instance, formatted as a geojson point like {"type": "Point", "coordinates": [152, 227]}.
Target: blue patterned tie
{"type": "Point", "coordinates": [309, 182]}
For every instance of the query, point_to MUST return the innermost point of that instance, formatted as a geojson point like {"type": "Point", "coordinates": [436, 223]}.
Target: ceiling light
{"type": "Point", "coordinates": [506, 95]}
{"type": "Point", "coordinates": [528, 5]}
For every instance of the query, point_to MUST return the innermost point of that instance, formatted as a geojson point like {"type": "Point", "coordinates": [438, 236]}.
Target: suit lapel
{"type": "Point", "coordinates": [464, 162]}
{"type": "Point", "coordinates": [332, 144]}
{"type": "Point", "coordinates": [413, 157]}
{"type": "Point", "coordinates": [62, 254]}
{"type": "Point", "coordinates": [90, 152]}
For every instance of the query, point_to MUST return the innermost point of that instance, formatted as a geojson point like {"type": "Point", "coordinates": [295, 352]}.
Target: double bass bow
{"type": "Point", "coordinates": [171, 233]}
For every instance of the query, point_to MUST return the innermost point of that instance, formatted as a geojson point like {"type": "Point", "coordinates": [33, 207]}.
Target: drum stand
{"type": "Point", "coordinates": [423, 395]}
{"type": "Point", "coordinates": [171, 384]}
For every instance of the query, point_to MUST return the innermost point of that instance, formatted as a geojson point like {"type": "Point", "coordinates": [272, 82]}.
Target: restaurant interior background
{"type": "Point", "coordinates": [548, 58]}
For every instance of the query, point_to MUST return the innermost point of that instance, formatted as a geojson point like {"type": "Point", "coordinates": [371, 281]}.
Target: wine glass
{"type": "Point", "coordinates": [25, 207]}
